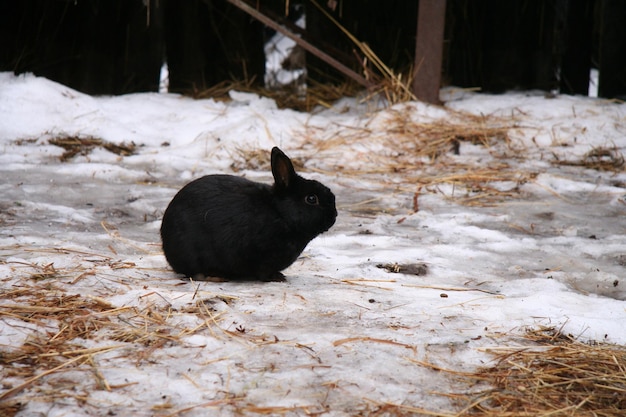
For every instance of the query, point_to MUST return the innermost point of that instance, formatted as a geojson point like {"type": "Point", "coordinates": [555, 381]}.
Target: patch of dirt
{"type": "Point", "coordinates": [418, 269]}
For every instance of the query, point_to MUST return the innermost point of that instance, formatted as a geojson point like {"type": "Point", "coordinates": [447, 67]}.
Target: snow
{"type": "Point", "coordinates": [277, 49]}
{"type": "Point", "coordinates": [341, 334]}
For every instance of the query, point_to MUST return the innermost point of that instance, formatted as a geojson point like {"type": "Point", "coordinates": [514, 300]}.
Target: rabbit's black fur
{"type": "Point", "coordinates": [230, 227]}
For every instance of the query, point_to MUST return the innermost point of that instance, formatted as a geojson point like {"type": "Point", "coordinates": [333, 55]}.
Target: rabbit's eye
{"type": "Point", "coordinates": [311, 200]}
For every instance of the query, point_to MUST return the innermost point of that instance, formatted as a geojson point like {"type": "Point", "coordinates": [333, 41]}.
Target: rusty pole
{"type": "Point", "coordinates": [429, 50]}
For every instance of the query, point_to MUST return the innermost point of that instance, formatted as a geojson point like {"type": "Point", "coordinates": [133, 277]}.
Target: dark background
{"type": "Point", "coordinates": [118, 46]}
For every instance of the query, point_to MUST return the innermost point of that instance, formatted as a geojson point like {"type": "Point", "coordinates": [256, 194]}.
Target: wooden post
{"type": "Point", "coordinates": [431, 19]}
{"type": "Point", "coordinates": [612, 46]}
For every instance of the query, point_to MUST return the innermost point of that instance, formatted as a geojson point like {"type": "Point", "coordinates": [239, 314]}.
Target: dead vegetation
{"type": "Point", "coordinates": [420, 152]}
{"type": "Point", "coordinates": [61, 320]}
{"type": "Point", "coordinates": [399, 150]}
{"type": "Point", "coordinates": [551, 373]}
{"type": "Point", "coordinates": [66, 333]}
{"type": "Point", "coordinates": [546, 372]}
{"type": "Point", "coordinates": [561, 376]}
{"type": "Point", "coordinates": [403, 153]}
{"type": "Point", "coordinates": [75, 145]}
{"type": "Point", "coordinates": [317, 94]}
{"type": "Point", "coordinates": [600, 159]}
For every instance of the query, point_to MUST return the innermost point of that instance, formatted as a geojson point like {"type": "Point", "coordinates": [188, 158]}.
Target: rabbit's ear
{"type": "Point", "coordinates": [282, 170]}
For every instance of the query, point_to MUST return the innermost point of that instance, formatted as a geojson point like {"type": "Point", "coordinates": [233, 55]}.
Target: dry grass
{"type": "Point", "coordinates": [561, 376]}
{"type": "Point", "coordinates": [60, 320]}
{"type": "Point", "coordinates": [415, 156]}
{"type": "Point", "coordinates": [601, 159]}
{"type": "Point", "coordinates": [286, 97]}
{"type": "Point", "coordinates": [75, 145]}
{"type": "Point", "coordinates": [553, 374]}
{"type": "Point", "coordinates": [397, 132]}
{"type": "Point", "coordinates": [546, 373]}
{"type": "Point", "coordinates": [384, 81]}
{"type": "Point", "coordinates": [59, 325]}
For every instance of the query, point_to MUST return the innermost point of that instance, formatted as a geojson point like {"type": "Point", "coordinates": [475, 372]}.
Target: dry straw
{"type": "Point", "coordinates": [409, 153]}
{"type": "Point", "coordinates": [601, 159]}
{"type": "Point", "coordinates": [57, 322]}
{"type": "Point", "coordinates": [553, 374]}
{"type": "Point", "coordinates": [75, 145]}
{"type": "Point", "coordinates": [403, 153]}
{"type": "Point", "coordinates": [286, 97]}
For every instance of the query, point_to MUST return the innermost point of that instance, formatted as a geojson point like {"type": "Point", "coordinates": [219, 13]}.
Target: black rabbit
{"type": "Point", "coordinates": [230, 227]}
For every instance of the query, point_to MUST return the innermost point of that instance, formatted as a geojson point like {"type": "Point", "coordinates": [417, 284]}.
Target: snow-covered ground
{"type": "Point", "coordinates": [342, 335]}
